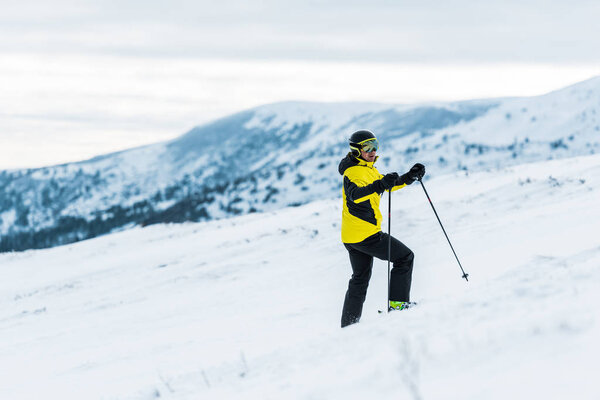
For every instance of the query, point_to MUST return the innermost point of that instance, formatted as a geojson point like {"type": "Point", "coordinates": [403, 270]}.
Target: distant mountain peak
{"type": "Point", "coordinates": [284, 154]}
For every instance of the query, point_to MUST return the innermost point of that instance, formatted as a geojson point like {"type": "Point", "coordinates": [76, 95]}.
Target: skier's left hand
{"type": "Point", "coordinates": [416, 172]}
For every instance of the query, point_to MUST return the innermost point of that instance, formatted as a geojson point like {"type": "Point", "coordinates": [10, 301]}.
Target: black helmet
{"type": "Point", "coordinates": [358, 138]}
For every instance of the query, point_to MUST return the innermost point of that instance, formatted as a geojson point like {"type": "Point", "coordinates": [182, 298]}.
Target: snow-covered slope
{"type": "Point", "coordinates": [284, 154]}
{"type": "Point", "coordinates": [249, 307]}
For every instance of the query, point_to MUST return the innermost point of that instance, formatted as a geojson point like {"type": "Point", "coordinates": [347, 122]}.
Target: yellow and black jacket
{"type": "Point", "coordinates": [362, 191]}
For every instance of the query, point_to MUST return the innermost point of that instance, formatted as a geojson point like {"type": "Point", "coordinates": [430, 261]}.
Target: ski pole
{"type": "Point", "coordinates": [465, 275]}
{"type": "Point", "coordinates": [387, 304]}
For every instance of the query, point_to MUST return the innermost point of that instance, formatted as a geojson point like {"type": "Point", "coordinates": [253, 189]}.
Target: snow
{"type": "Point", "coordinates": [7, 219]}
{"type": "Point", "coordinates": [249, 307]}
{"type": "Point", "coordinates": [570, 111]}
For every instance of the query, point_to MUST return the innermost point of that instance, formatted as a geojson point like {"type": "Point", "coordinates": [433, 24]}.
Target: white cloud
{"type": "Point", "coordinates": [379, 30]}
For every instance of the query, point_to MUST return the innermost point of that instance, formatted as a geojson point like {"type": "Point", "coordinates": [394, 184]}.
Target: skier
{"type": "Point", "coordinates": [361, 225]}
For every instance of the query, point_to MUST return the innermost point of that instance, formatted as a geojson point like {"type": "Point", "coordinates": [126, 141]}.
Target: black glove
{"type": "Point", "coordinates": [415, 173]}
{"type": "Point", "coordinates": [390, 180]}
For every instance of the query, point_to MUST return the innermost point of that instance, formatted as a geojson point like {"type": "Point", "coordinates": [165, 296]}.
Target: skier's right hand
{"type": "Point", "coordinates": [390, 180]}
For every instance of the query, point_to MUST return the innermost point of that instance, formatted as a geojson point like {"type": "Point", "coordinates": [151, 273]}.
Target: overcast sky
{"type": "Point", "coordinates": [80, 78]}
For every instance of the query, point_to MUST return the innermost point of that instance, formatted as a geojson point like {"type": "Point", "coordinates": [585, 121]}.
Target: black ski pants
{"type": "Point", "coordinates": [361, 259]}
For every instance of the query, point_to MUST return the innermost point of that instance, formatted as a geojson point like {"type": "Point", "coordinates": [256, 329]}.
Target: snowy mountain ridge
{"type": "Point", "coordinates": [285, 154]}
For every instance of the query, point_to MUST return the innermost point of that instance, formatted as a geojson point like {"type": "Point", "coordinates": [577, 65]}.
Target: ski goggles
{"type": "Point", "coordinates": [369, 145]}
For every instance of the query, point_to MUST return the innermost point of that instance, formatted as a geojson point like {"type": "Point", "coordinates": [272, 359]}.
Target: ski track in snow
{"type": "Point", "coordinates": [249, 307]}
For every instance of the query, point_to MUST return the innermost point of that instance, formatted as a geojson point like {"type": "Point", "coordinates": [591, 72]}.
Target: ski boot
{"type": "Point", "coordinates": [400, 305]}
